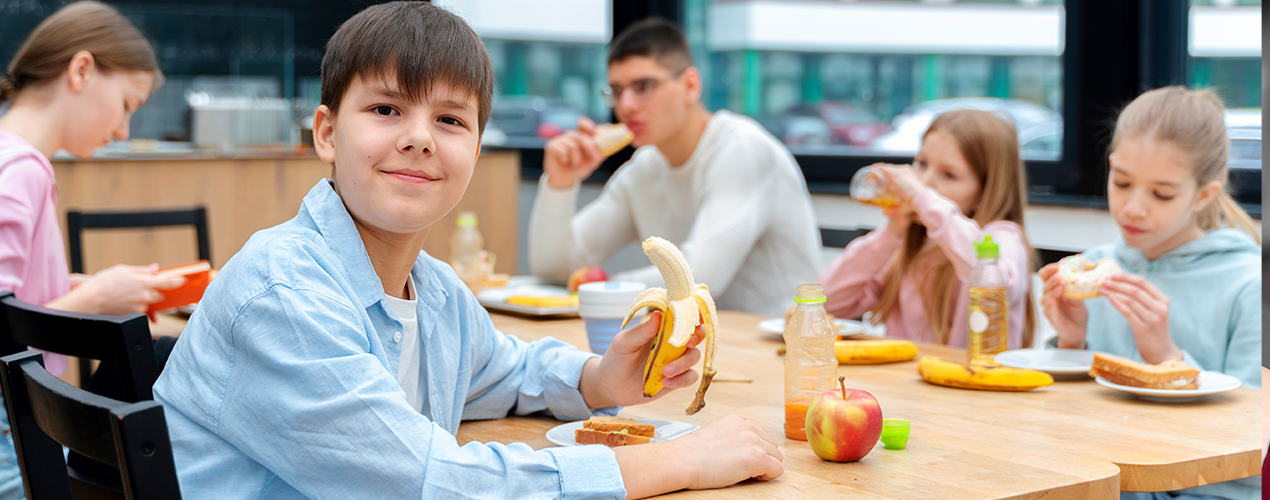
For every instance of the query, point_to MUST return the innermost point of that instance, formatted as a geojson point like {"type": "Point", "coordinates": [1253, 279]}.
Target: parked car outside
{"type": "Point", "coordinates": [913, 122]}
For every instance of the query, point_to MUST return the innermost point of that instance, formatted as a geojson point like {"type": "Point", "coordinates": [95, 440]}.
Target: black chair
{"type": "Point", "coordinates": [124, 340]}
{"type": "Point", "coordinates": [77, 222]}
{"type": "Point", "coordinates": [44, 411]}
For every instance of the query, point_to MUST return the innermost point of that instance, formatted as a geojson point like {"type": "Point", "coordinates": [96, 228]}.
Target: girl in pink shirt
{"type": "Point", "coordinates": [73, 85]}
{"type": "Point", "coordinates": [967, 181]}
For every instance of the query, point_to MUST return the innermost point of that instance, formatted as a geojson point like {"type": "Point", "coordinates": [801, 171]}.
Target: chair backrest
{"type": "Point", "coordinates": [123, 339]}
{"type": "Point", "coordinates": [77, 222]}
{"type": "Point", "coordinates": [45, 411]}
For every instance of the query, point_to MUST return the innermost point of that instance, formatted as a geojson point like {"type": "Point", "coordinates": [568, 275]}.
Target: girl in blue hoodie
{"type": "Point", "coordinates": [1191, 286]}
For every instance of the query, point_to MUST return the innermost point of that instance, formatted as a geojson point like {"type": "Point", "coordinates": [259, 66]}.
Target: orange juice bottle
{"type": "Point", "coordinates": [810, 364]}
{"type": "Point", "coordinates": [989, 318]}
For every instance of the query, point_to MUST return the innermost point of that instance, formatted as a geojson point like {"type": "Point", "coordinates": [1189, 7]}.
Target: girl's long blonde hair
{"type": "Point", "coordinates": [991, 147]}
{"type": "Point", "coordinates": [99, 29]}
{"type": "Point", "coordinates": [1193, 121]}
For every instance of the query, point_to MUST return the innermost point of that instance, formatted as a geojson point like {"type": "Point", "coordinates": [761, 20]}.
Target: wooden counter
{"type": "Point", "coordinates": [246, 195]}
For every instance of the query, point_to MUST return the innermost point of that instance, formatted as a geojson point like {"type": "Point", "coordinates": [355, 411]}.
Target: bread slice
{"type": "Point", "coordinates": [610, 439]}
{"type": "Point", "coordinates": [1170, 375]}
{"type": "Point", "coordinates": [617, 424]}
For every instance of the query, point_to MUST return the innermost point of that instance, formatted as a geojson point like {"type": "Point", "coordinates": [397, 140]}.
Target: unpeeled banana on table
{"type": "Point", "coordinates": [873, 352]}
{"type": "Point", "coordinates": [982, 377]}
{"type": "Point", "coordinates": [683, 304]}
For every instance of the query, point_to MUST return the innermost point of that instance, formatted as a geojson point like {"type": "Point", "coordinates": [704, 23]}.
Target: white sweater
{"type": "Point", "coordinates": [738, 209]}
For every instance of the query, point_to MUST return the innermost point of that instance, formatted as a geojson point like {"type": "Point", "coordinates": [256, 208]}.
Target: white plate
{"type": "Point", "coordinates": [1209, 383]}
{"type": "Point", "coordinates": [1052, 361]}
{"type": "Point", "coordinates": [665, 431]}
{"type": "Point", "coordinates": [496, 299]}
{"type": "Point", "coordinates": [845, 326]}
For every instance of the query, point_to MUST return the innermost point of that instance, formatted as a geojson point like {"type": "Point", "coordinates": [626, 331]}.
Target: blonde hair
{"type": "Point", "coordinates": [88, 26]}
{"type": "Point", "coordinates": [1194, 122]}
{"type": "Point", "coordinates": [991, 147]}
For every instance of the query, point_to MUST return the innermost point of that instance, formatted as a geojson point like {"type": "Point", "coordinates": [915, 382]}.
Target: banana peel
{"type": "Point", "coordinates": [684, 304]}
{"type": "Point", "coordinates": [980, 377]}
{"type": "Point", "coordinates": [873, 352]}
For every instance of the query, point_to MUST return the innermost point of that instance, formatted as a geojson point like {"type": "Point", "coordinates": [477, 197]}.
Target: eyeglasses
{"type": "Point", "coordinates": [643, 88]}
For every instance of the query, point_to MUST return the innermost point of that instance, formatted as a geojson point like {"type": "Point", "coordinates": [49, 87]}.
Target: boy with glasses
{"type": "Point", "coordinates": [719, 186]}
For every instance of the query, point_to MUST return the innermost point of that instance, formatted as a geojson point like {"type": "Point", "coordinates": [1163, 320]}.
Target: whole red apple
{"type": "Point", "coordinates": [844, 424]}
{"type": "Point", "coordinates": [587, 274]}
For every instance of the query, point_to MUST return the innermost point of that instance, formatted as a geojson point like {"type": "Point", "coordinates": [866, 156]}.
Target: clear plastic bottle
{"type": "Point", "coordinates": [989, 319]}
{"type": "Point", "coordinates": [810, 364]}
{"type": "Point", "coordinates": [467, 249]}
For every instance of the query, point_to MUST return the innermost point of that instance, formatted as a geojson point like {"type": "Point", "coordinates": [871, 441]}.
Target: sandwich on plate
{"type": "Point", "coordinates": [613, 432]}
{"type": "Point", "coordinates": [1171, 375]}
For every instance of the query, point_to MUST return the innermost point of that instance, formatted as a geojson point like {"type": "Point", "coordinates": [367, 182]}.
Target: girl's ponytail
{"type": "Point", "coordinates": [1224, 212]}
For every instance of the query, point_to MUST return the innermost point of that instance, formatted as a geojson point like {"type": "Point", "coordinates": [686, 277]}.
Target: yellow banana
{"type": "Point", "coordinates": [683, 304]}
{"type": "Point", "coordinates": [982, 377]}
{"type": "Point", "coordinates": [873, 352]}
{"type": "Point", "coordinates": [529, 300]}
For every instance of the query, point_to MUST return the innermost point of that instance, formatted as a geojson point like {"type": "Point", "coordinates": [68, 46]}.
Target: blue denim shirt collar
{"type": "Point", "coordinates": [332, 220]}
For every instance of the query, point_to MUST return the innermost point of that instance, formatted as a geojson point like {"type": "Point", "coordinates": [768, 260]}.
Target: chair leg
{"type": "Point", "coordinates": [85, 372]}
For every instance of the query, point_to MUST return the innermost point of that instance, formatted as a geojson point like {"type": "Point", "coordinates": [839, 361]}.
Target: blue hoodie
{"type": "Point", "coordinates": [1214, 290]}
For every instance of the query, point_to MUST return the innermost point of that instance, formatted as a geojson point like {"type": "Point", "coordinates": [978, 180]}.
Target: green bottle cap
{"type": "Point", "coordinates": [466, 219]}
{"type": "Point", "coordinates": [987, 249]}
{"type": "Point", "coordinates": [894, 433]}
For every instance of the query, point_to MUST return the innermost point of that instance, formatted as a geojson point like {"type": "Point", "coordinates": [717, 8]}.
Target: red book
{"type": "Point", "coordinates": [197, 276]}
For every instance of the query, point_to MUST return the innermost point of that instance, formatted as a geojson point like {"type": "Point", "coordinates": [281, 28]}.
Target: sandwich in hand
{"type": "Point", "coordinates": [613, 432]}
{"type": "Point", "coordinates": [1172, 375]}
{"type": "Point", "coordinates": [612, 137]}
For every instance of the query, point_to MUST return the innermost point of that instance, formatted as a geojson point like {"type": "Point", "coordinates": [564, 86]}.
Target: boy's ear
{"type": "Point", "coordinates": [78, 70]}
{"type": "Point", "coordinates": [324, 134]}
{"type": "Point", "coordinates": [692, 82]}
{"type": "Point", "coordinates": [1207, 193]}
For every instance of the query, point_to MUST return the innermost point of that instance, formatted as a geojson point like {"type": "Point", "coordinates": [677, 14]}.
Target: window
{"type": "Point", "coordinates": [867, 78]}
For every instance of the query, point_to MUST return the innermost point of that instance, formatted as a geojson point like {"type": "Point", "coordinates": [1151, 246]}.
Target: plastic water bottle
{"type": "Point", "coordinates": [989, 318]}
{"type": "Point", "coordinates": [467, 250]}
{"type": "Point", "coordinates": [810, 364]}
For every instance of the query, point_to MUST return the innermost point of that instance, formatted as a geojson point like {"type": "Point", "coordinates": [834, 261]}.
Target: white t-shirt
{"type": "Point", "coordinates": [738, 209]}
{"type": "Point", "coordinates": [408, 365]}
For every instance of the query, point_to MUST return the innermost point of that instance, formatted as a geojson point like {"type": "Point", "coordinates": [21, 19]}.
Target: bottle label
{"type": "Point", "coordinates": [978, 321]}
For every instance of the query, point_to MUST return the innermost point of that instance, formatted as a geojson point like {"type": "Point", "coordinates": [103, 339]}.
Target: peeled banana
{"type": "Point", "coordinates": [982, 377]}
{"type": "Point", "coordinates": [873, 352]}
{"type": "Point", "coordinates": [683, 304]}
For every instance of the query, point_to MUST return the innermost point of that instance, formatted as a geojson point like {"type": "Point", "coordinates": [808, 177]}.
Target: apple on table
{"type": "Point", "coordinates": [843, 425]}
{"type": "Point", "coordinates": [586, 274]}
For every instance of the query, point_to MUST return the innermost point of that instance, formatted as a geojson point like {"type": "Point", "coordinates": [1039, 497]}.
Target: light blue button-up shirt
{"type": "Point", "coordinates": [284, 383]}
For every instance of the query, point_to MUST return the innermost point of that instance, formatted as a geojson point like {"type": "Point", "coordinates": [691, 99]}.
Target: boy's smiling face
{"type": "Point", "coordinates": [400, 165]}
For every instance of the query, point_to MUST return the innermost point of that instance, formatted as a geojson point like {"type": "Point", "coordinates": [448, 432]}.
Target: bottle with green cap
{"type": "Point", "coordinates": [466, 249]}
{"type": "Point", "coordinates": [810, 364]}
{"type": "Point", "coordinates": [988, 320]}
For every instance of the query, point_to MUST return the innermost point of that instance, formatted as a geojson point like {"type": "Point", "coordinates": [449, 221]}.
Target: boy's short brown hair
{"type": "Point", "coordinates": [420, 42]}
{"type": "Point", "coordinates": [654, 38]}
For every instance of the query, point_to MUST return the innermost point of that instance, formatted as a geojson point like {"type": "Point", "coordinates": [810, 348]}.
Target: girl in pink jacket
{"type": "Point", "coordinates": [967, 181]}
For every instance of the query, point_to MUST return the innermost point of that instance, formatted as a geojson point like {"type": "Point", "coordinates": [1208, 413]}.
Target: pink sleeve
{"type": "Point", "coordinates": [23, 184]}
{"type": "Point", "coordinates": [957, 234]}
{"type": "Point", "coordinates": [854, 281]}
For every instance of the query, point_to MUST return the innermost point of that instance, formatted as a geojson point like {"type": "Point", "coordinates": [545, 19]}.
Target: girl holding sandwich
{"type": "Point", "coordinates": [1191, 258]}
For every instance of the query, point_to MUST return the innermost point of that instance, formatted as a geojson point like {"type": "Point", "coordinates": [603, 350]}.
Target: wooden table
{"type": "Point", "coordinates": [1075, 439]}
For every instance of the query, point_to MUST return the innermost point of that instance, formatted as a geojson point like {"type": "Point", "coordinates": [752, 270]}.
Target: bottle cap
{"type": "Point", "coordinates": [894, 433]}
{"type": "Point", "coordinates": [466, 219]}
{"type": "Point", "coordinates": [987, 249]}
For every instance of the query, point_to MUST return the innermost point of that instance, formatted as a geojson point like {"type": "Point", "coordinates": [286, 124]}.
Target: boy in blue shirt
{"type": "Point", "coordinates": [332, 358]}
